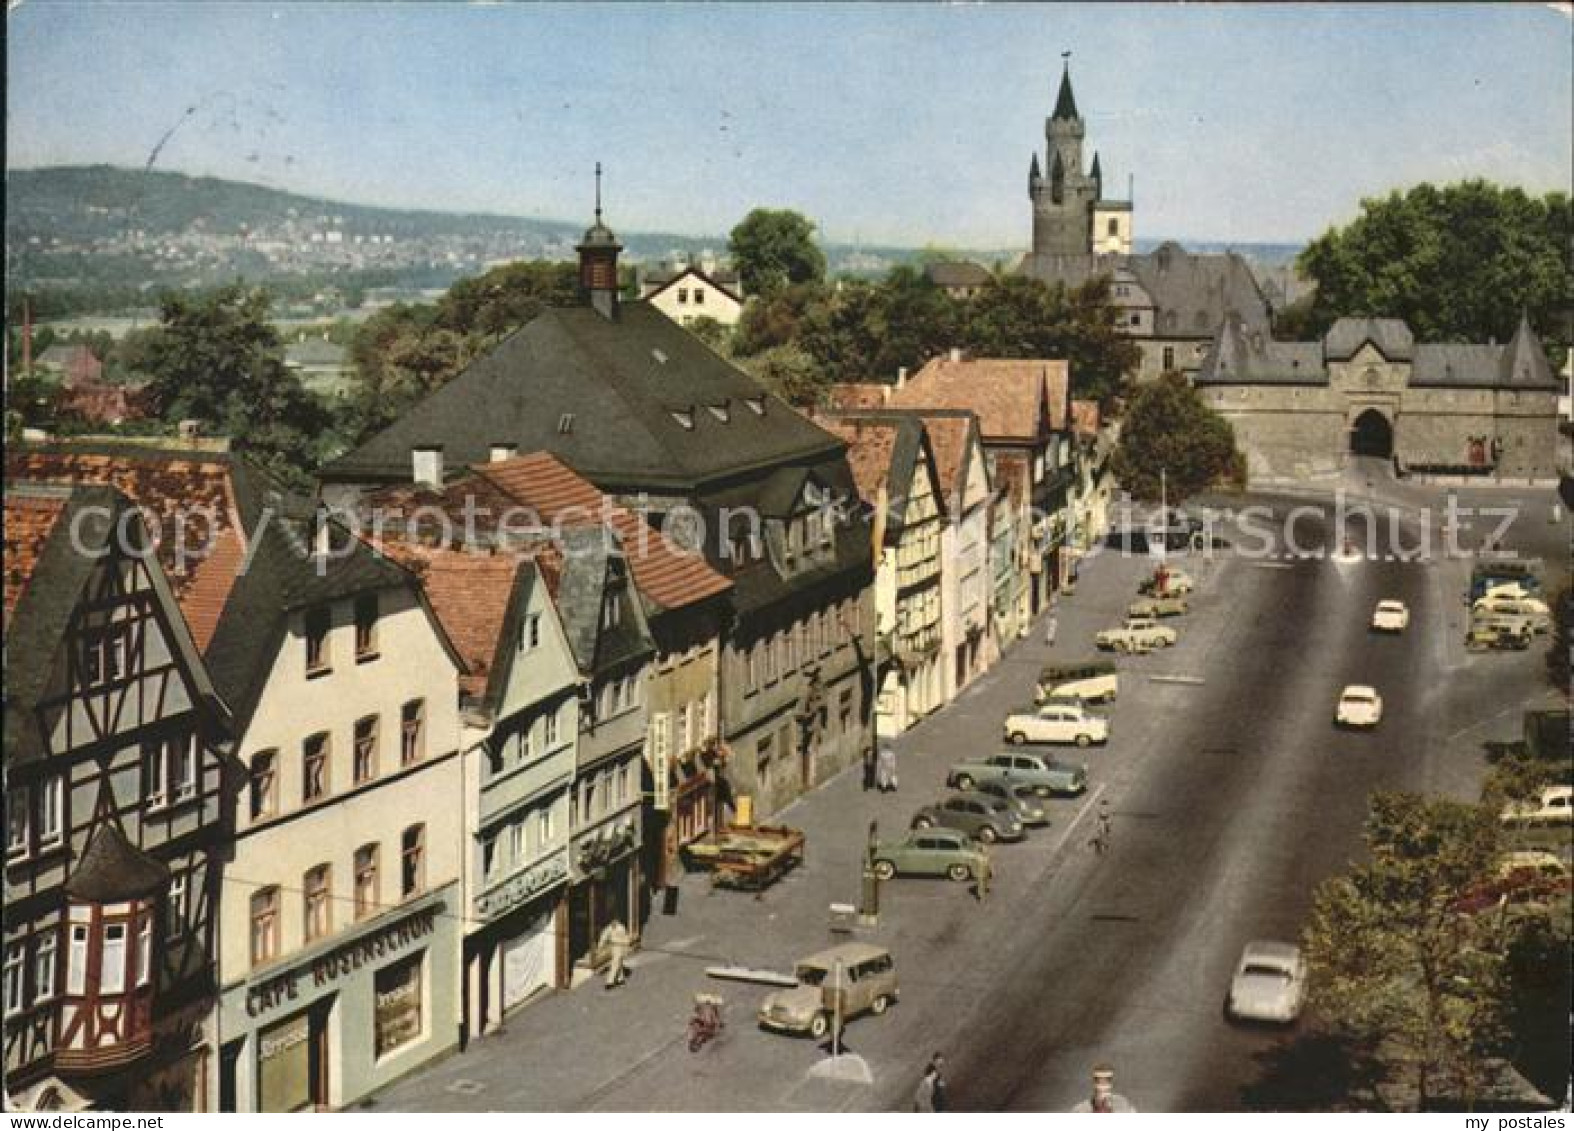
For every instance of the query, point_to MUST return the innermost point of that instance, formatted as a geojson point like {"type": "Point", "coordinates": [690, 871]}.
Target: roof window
{"type": "Point", "coordinates": [684, 417]}
{"type": "Point", "coordinates": [565, 424]}
{"type": "Point", "coordinates": [720, 411]}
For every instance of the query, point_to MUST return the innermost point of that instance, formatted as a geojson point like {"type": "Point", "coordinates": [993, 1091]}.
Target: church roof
{"type": "Point", "coordinates": [1193, 293]}
{"type": "Point", "coordinates": [1065, 101]}
{"type": "Point", "coordinates": [631, 401]}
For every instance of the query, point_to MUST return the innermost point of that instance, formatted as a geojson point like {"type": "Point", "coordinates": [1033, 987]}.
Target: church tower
{"type": "Point", "coordinates": [1063, 201]}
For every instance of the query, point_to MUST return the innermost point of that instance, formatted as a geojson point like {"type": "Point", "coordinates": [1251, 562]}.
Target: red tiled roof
{"type": "Point", "coordinates": [865, 394]}
{"type": "Point", "coordinates": [948, 440]}
{"type": "Point", "coordinates": [1011, 472]}
{"type": "Point", "coordinates": [182, 493]}
{"type": "Point", "coordinates": [469, 593]}
{"type": "Point", "coordinates": [1005, 394]}
{"type": "Point", "coordinates": [869, 447]}
{"type": "Point", "coordinates": [29, 520]}
{"type": "Point", "coordinates": [664, 573]}
{"type": "Point", "coordinates": [1085, 418]}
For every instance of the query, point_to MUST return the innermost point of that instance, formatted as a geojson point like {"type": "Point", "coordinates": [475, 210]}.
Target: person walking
{"type": "Point", "coordinates": [924, 1094]}
{"type": "Point", "coordinates": [886, 769]}
{"type": "Point", "coordinates": [1050, 627]}
{"type": "Point", "coordinates": [615, 941]}
{"type": "Point", "coordinates": [1101, 830]}
{"type": "Point", "coordinates": [981, 882]}
{"type": "Point", "coordinates": [941, 1091]}
{"type": "Point", "coordinates": [869, 768]}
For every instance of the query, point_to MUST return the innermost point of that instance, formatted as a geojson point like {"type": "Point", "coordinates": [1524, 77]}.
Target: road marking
{"type": "Point", "coordinates": [1077, 820]}
{"type": "Point", "coordinates": [1195, 680]}
{"type": "Point", "coordinates": [1272, 565]}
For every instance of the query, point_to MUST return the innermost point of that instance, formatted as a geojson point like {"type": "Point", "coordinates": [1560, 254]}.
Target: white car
{"type": "Point", "coordinates": [1269, 983]}
{"type": "Point", "coordinates": [1534, 611]}
{"type": "Point", "coordinates": [1555, 806]}
{"type": "Point", "coordinates": [1138, 634]}
{"type": "Point", "coordinates": [1359, 706]}
{"type": "Point", "coordinates": [1057, 722]}
{"type": "Point", "coordinates": [1390, 616]}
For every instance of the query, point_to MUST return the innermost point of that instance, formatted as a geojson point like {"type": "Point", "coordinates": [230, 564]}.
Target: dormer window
{"type": "Point", "coordinates": [610, 610]}
{"type": "Point", "coordinates": [756, 405]}
{"type": "Point", "coordinates": [719, 411]}
{"type": "Point", "coordinates": [659, 355]}
{"type": "Point", "coordinates": [684, 418]}
{"type": "Point", "coordinates": [565, 424]}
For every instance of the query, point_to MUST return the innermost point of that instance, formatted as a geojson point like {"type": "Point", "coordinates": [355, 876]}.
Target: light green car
{"type": "Point", "coordinates": [931, 852]}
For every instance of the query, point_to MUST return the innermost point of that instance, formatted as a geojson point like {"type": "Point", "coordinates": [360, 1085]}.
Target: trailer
{"type": "Point", "coordinates": [748, 857]}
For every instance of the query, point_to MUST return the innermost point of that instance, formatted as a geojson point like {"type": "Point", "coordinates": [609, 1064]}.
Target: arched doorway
{"type": "Point", "coordinates": [1372, 435]}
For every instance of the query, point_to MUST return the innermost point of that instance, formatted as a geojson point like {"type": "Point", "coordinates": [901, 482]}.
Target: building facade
{"type": "Point", "coordinates": [1369, 389]}
{"type": "Point", "coordinates": [118, 814]}
{"type": "Point", "coordinates": [690, 292]}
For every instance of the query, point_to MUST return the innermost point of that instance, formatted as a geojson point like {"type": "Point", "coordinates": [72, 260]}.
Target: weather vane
{"type": "Point", "coordinates": [598, 192]}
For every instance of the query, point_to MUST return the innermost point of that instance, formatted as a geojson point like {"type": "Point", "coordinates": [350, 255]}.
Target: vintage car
{"type": "Point", "coordinates": [1359, 706]}
{"type": "Point", "coordinates": [1493, 632]}
{"type": "Point", "coordinates": [1138, 634]}
{"type": "Point", "coordinates": [1269, 983]}
{"type": "Point", "coordinates": [1175, 583]}
{"type": "Point", "coordinates": [1533, 612]}
{"type": "Point", "coordinates": [1062, 721]}
{"type": "Point", "coordinates": [1158, 607]}
{"type": "Point", "coordinates": [931, 852]}
{"type": "Point", "coordinates": [1047, 776]}
{"type": "Point", "coordinates": [1551, 807]}
{"type": "Point", "coordinates": [843, 982]}
{"type": "Point", "coordinates": [1022, 798]}
{"type": "Point", "coordinates": [1390, 616]}
{"type": "Point", "coordinates": [1092, 681]}
{"type": "Point", "coordinates": [979, 815]}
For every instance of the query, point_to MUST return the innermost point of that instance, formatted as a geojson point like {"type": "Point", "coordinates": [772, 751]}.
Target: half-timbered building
{"type": "Point", "coordinates": [118, 811]}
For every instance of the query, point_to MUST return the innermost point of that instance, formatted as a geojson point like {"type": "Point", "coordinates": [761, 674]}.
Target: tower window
{"type": "Point", "coordinates": [1114, 226]}
{"type": "Point", "coordinates": [565, 424]}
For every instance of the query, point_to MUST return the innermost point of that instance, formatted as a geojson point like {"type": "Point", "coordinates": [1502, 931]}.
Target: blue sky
{"type": "Point", "coordinates": [909, 124]}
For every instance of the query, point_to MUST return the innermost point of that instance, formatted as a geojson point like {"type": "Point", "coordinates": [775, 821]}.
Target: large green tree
{"type": "Point", "coordinates": [216, 358]}
{"type": "Point", "coordinates": [1395, 964]}
{"type": "Point", "coordinates": [493, 305]}
{"type": "Point", "coordinates": [1458, 262]}
{"type": "Point", "coordinates": [1172, 444]}
{"type": "Point", "coordinates": [790, 373]}
{"type": "Point", "coordinates": [775, 248]}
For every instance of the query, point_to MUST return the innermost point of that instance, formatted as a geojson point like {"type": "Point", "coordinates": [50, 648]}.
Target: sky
{"type": "Point", "coordinates": [908, 124]}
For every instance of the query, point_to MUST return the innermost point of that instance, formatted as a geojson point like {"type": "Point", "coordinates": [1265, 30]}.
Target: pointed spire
{"type": "Point", "coordinates": [1034, 176]}
{"type": "Point", "coordinates": [1524, 361]}
{"type": "Point", "coordinates": [1065, 102]}
{"type": "Point", "coordinates": [1096, 172]}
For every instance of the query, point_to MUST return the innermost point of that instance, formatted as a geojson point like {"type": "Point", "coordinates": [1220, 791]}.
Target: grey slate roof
{"type": "Point", "coordinates": [615, 385]}
{"type": "Point", "coordinates": [1391, 336]}
{"type": "Point", "coordinates": [1193, 294]}
{"type": "Point", "coordinates": [1239, 357]}
{"type": "Point", "coordinates": [113, 870]}
{"type": "Point", "coordinates": [1065, 101]}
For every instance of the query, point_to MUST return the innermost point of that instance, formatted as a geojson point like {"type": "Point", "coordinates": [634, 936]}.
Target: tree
{"type": "Point", "coordinates": [1558, 646]}
{"type": "Point", "coordinates": [776, 319]}
{"type": "Point", "coordinates": [1394, 963]}
{"type": "Point", "coordinates": [775, 248]}
{"type": "Point", "coordinates": [1169, 429]}
{"type": "Point", "coordinates": [791, 374]}
{"type": "Point", "coordinates": [216, 359]}
{"type": "Point", "coordinates": [494, 305]}
{"type": "Point", "coordinates": [401, 355]}
{"type": "Point", "coordinates": [1458, 263]}
{"type": "Point", "coordinates": [715, 335]}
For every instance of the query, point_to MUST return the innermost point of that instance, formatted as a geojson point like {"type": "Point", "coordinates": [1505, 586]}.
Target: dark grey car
{"type": "Point", "coordinates": [979, 815]}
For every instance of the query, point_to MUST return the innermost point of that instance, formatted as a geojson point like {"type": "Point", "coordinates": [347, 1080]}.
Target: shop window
{"type": "Point", "coordinates": [365, 627]}
{"type": "Point", "coordinates": [366, 893]}
{"type": "Point", "coordinates": [264, 784]}
{"type": "Point", "coordinates": [412, 731]}
{"type": "Point", "coordinates": [314, 768]}
{"type": "Point", "coordinates": [264, 926]}
{"type": "Point", "coordinates": [317, 892]}
{"type": "Point", "coordinates": [412, 861]}
{"type": "Point", "coordinates": [365, 749]}
{"type": "Point", "coordinates": [397, 993]}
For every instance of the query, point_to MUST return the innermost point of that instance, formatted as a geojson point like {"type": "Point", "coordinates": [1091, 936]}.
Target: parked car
{"type": "Point", "coordinates": [1269, 983]}
{"type": "Point", "coordinates": [978, 815]}
{"type": "Point", "coordinates": [1554, 806]}
{"type": "Point", "coordinates": [1537, 863]}
{"type": "Point", "coordinates": [845, 981]}
{"type": "Point", "coordinates": [1359, 706]}
{"type": "Point", "coordinates": [1093, 681]}
{"type": "Point", "coordinates": [1176, 583]}
{"type": "Point", "coordinates": [1157, 607]}
{"type": "Point", "coordinates": [1061, 721]}
{"type": "Point", "coordinates": [1046, 776]}
{"type": "Point", "coordinates": [1533, 611]}
{"type": "Point", "coordinates": [1138, 634]}
{"type": "Point", "coordinates": [1490, 576]}
{"type": "Point", "coordinates": [1390, 616]}
{"type": "Point", "coordinates": [931, 852]}
{"type": "Point", "coordinates": [1022, 798]}
{"type": "Point", "coordinates": [1493, 632]}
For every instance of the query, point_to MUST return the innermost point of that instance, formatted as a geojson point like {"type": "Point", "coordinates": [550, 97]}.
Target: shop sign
{"type": "Point", "coordinates": [336, 964]}
{"type": "Point", "coordinates": [524, 886]}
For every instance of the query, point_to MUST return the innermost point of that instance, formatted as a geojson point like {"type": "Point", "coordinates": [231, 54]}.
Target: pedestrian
{"type": "Point", "coordinates": [1050, 627]}
{"type": "Point", "coordinates": [869, 768]}
{"type": "Point", "coordinates": [941, 1097]}
{"type": "Point", "coordinates": [615, 941]}
{"type": "Point", "coordinates": [924, 1094]}
{"type": "Point", "coordinates": [1104, 1097]}
{"type": "Point", "coordinates": [887, 769]}
{"type": "Point", "coordinates": [1100, 841]}
{"type": "Point", "coordinates": [981, 882]}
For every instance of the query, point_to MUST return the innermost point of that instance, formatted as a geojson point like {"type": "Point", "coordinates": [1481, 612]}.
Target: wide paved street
{"type": "Point", "coordinates": [1233, 796]}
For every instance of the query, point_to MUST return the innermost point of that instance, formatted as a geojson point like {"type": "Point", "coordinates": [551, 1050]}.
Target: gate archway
{"type": "Point", "coordinates": [1372, 435]}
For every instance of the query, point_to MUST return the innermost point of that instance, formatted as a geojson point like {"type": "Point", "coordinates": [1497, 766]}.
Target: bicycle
{"type": "Point", "coordinates": [706, 1023]}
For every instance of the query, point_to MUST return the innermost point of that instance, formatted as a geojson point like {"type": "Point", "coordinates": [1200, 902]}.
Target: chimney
{"type": "Point", "coordinates": [189, 430]}
{"type": "Point", "coordinates": [502, 451]}
{"type": "Point", "coordinates": [901, 376]}
{"type": "Point", "coordinates": [956, 354]}
{"type": "Point", "coordinates": [426, 465]}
